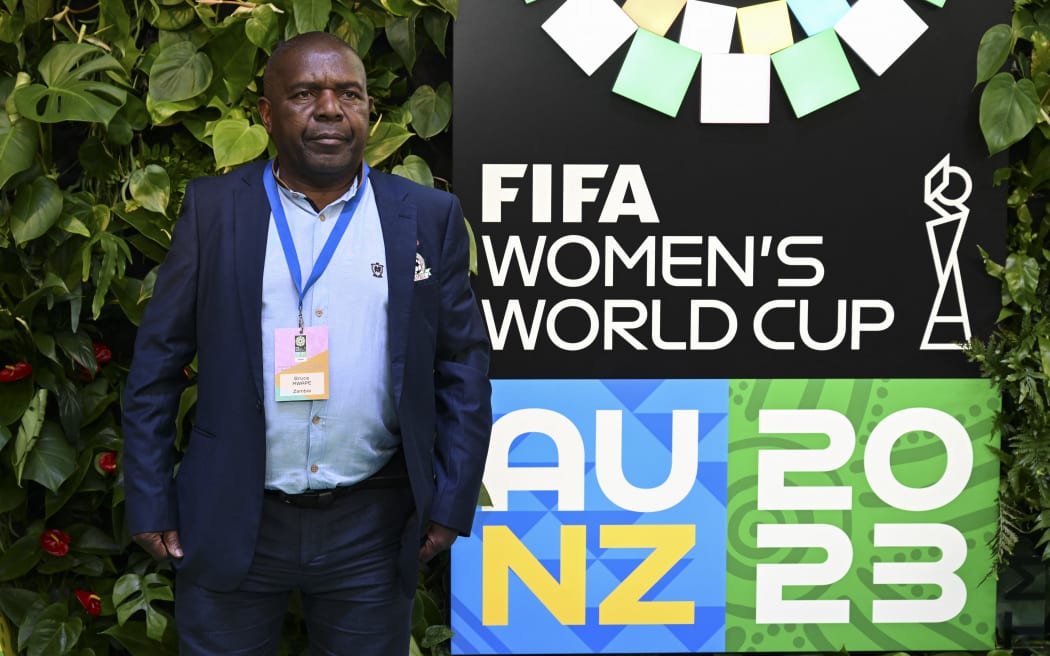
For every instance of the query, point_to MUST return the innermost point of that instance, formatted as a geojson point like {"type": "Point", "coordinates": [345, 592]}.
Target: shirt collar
{"type": "Point", "coordinates": [300, 197]}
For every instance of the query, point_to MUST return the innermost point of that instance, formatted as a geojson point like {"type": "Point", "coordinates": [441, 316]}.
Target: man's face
{"type": "Point", "coordinates": [316, 109]}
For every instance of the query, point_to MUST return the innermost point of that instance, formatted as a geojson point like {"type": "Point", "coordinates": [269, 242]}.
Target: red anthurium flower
{"type": "Point", "coordinates": [16, 371]}
{"type": "Point", "coordinates": [55, 542]}
{"type": "Point", "coordinates": [102, 353]}
{"type": "Point", "coordinates": [91, 602]}
{"type": "Point", "coordinates": [107, 462]}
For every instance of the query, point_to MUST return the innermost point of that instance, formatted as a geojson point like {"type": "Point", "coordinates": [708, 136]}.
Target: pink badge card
{"type": "Point", "coordinates": [301, 364]}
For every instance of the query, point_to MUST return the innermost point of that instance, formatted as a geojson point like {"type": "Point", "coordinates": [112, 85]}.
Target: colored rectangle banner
{"type": "Point", "coordinates": [665, 516]}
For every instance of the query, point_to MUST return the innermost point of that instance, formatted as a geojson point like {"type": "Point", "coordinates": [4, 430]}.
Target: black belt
{"type": "Point", "coordinates": [325, 498]}
{"type": "Point", "coordinates": [390, 476]}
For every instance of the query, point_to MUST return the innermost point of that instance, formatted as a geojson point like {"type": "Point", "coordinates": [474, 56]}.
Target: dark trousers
{"type": "Point", "coordinates": [348, 562]}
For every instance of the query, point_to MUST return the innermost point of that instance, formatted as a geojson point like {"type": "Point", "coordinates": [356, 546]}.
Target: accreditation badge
{"type": "Point", "coordinates": [301, 364]}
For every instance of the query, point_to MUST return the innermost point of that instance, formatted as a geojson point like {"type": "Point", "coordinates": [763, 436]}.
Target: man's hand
{"type": "Point", "coordinates": [436, 539]}
{"type": "Point", "coordinates": [160, 545]}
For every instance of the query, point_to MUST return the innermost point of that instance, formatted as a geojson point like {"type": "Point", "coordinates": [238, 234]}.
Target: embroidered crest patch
{"type": "Point", "coordinates": [422, 270]}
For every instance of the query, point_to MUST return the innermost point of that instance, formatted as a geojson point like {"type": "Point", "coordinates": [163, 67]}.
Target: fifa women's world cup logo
{"type": "Point", "coordinates": [947, 190]}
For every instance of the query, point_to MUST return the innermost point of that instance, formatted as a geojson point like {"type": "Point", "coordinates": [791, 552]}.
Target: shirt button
{"type": "Point", "coordinates": [316, 419]}
{"type": "Point", "coordinates": [319, 312]}
{"type": "Point", "coordinates": [313, 469]}
{"type": "Point", "coordinates": [322, 217]}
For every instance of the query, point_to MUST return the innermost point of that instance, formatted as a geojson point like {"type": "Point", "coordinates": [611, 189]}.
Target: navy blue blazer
{"type": "Point", "coordinates": [208, 299]}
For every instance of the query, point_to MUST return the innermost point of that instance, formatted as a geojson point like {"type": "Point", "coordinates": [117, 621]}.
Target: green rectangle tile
{"type": "Point", "coordinates": [657, 72]}
{"type": "Point", "coordinates": [815, 72]}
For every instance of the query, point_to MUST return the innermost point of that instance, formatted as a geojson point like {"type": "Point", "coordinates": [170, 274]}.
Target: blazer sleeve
{"type": "Point", "coordinates": [462, 389]}
{"type": "Point", "coordinates": [165, 345]}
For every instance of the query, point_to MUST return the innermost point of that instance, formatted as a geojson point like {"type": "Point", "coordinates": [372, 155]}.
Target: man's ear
{"type": "Point", "coordinates": [264, 112]}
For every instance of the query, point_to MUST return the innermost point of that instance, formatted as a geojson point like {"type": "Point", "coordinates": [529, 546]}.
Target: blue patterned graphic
{"type": "Point", "coordinates": [694, 583]}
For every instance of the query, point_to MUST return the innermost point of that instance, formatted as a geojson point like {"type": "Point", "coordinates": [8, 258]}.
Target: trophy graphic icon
{"type": "Point", "coordinates": [947, 190]}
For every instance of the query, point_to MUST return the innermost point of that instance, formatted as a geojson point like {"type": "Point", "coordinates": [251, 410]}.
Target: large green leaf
{"type": "Point", "coordinates": [994, 49]}
{"type": "Point", "coordinates": [1009, 111]}
{"type": "Point", "coordinates": [360, 33]}
{"type": "Point", "coordinates": [115, 257]}
{"type": "Point", "coordinates": [161, 112]}
{"type": "Point", "coordinates": [29, 431]}
{"type": "Point", "coordinates": [90, 539]}
{"type": "Point", "coordinates": [37, 207]}
{"type": "Point", "coordinates": [14, 399]}
{"type": "Point", "coordinates": [18, 143]}
{"type": "Point", "coordinates": [11, 26]}
{"type": "Point", "coordinates": [384, 141]}
{"type": "Point", "coordinates": [69, 93]}
{"type": "Point", "coordinates": [49, 631]}
{"type": "Point", "coordinates": [415, 168]}
{"type": "Point", "coordinates": [236, 141]}
{"type": "Point", "coordinates": [78, 347]}
{"type": "Point", "coordinates": [179, 73]}
{"type": "Point", "coordinates": [437, 634]}
{"type": "Point", "coordinates": [311, 15]}
{"type": "Point", "coordinates": [234, 57]}
{"type": "Point", "coordinates": [53, 460]}
{"type": "Point", "coordinates": [401, 33]}
{"type": "Point", "coordinates": [20, 557]}
{"type": "Point", "coordinates": [431, 110]}
{"type": "Point", "coordinates": [262, 28]}
{"type": "Point", "coordinates": [96, 397]}
{"type": "Point", "coordinates": [1022, 278]}
{"type": "Point", "coordinates": [149, 224]}
{"type": "Point", "coordinates": [54, 501]}
{"type": "Point", "coordinates": [171, 18]}
{"type": "Point", "coordinates": [151, 187]}
{"type": "Point", "coordinates": [37, 10]}
{"type": "Point", "coordinates": [128, 290]}
{"type": "Point", "coordinates": [15, 602]}
{"type": "Point", "coordinates": [436, 26]}
{"type": "Point", "coordinates": [132, 593]}
{"type": "Point", "coordinates": [115, 23]}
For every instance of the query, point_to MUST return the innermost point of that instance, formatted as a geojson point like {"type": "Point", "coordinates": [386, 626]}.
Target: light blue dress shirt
{"type": "Point", "coordinates": [323, 444]}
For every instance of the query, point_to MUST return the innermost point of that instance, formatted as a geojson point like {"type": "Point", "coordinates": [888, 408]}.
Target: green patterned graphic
{"type": "Point", "coordinates": [918, 459]}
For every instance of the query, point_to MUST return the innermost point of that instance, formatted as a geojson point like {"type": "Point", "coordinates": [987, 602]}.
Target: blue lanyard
{"type": "Point", "coordinates": [290, 255]}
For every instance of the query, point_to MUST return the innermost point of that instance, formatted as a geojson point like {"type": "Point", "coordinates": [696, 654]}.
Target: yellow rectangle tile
{"type": "Point", "coordinates": [765, 28]}
{"type": "Point", "coordinates": [654, 15]}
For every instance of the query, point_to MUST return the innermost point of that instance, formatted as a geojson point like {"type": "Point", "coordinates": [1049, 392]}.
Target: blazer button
{"type": "Point", "coordinates": [258, 405]}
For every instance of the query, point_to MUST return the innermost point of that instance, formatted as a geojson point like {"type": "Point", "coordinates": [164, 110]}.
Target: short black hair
{"type": "Point", "coordinates": [301, 41]}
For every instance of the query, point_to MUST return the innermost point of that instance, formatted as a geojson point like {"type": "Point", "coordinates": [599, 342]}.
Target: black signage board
{"type": "Point", "coordinates": [800, 248]}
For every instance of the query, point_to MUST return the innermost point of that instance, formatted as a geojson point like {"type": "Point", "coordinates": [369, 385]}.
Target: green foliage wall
{"type": "Point", "coordinates": [110, 107]}
{"type": "Point", "coordinates": [1013, 63]}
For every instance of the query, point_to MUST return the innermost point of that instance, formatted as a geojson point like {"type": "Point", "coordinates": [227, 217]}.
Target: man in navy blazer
{"type": "Point", "coordinates": [351, 550]}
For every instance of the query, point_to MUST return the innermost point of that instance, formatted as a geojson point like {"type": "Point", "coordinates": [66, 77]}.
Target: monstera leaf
{"type": "Point", "coordinates": [69, 93]}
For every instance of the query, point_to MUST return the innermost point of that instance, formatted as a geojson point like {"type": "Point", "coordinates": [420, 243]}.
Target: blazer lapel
{"type": "Point", "coordinates": [398, 220]}
{"type": "Point", "coordinates": [249, 230]}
